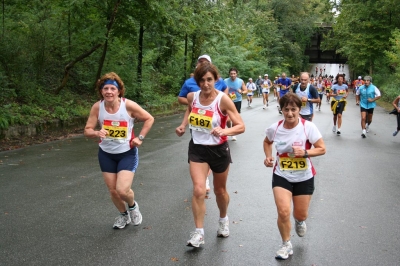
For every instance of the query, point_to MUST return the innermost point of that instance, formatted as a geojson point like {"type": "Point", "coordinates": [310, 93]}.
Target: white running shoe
{"type": "Point", "coordinates": [367, 128]}
{"type": "Point", "coordinates": [196, 239]}
{"type": "Point", "coordinates": [334, 129]}
{"type": "Point", "coordinates": [233, 138]}
{"type": "Point", "coordinates": [207, 185]}
{"type": "Point", "coordinates": [363, 133]}
{"type": "Point", "coordinates": [284, 252]}
{"type": "Point", "coordinates": [223, 229]}
{"type": "Point", "coordinates": [264, 106]}
{"type": "Point", "coordinates": [301, 228]}
{"type": "Point", "coordinates": [136, 216]}
{"type": "Point", "coordinates": [121, 221]}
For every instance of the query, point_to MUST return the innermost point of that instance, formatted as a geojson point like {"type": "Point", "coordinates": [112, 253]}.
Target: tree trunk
{"type": "Point", "coordinates": [371, 67]}
{"type": "Point", "coordinates": [140, 54]}
{"type": "Point", "coordinates": [86, 54]}
{"type": "Point", "coordinates": [103, 55]}
{"type": "Point", "coordinates": [3, 16]}
{"type": "Point", "coordinates": [185, 58]}
{"type": "Point", "coordinates": [72, 63]}
{"type": "Point", "coordinates": [194, 51]}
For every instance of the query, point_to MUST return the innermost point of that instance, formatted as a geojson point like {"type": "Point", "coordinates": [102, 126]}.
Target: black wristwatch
{"type": "Point", "coordinates": [305, 154]}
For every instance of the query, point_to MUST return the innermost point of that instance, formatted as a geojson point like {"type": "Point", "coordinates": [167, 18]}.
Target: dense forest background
{"type": "Point", "coordinates": [53, 51]}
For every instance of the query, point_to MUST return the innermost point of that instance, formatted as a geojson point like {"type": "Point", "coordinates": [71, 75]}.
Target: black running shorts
{"type": "Point", "coordinates": [297, 189]}
{"type": "Point", "coordinates": [368, 111]}
{"type": "Point", "coordinates": [339, 107]}
{"type": "Point", "coordinates": [217, 157]}
{"type": "Point", "coordinates": [238, 106]}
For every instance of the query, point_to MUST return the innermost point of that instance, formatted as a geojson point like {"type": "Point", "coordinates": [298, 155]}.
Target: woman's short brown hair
{"type": "Point", "coordinates": [110, 76]}
{"type": "Point", "coordinates": [202, 69]}
{"type": "Point", "coordinates": [290, 98]}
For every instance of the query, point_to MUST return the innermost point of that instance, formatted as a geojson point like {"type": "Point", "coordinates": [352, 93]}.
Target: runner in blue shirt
{"type": "Point", "coordinates": [190, 84]}
{"type": "Point", "coordinates": [236, 87]}
{"type": "Point", "coordinates": [367, 95]}
{"type": "Point", "coordinates": [284, 84]}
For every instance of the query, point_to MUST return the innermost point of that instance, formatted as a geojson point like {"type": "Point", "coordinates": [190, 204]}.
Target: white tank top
{"type": "Point", "coordinates": [306, 107]}
{"type": "Point", "coordinates": [120, 129]}
{"type": "Point", "coordinates": [202, 119]}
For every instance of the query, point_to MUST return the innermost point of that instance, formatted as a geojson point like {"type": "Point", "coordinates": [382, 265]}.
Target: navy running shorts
{"type": "Point", "coordinates": [113, 163]}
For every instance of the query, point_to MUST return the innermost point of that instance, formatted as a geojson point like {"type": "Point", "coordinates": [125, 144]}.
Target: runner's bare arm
{"type": "Point", "coordinates": [138, 112]}
{"type": "Point", "coordinates": [180, 130]}
{"type": "Point", "coordinates": [228, 108]}
{"type": "Point", "coordinates": [92, 123]}
{"type": "Point", "coordinates": [267, 145]}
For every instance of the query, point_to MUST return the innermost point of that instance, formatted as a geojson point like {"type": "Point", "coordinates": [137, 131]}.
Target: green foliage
{"type": "Point", "coordinates": [390, 90]}
{"type": "Point", "coordinates": [39, 38]}
{"type": "Point", "coordinates": [393, 53]}
{"type": "Point", "coordinates": [362, 32]}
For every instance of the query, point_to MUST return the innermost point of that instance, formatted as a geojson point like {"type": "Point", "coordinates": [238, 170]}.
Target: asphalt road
{"type": "Point", "coordinates": [55, 208]}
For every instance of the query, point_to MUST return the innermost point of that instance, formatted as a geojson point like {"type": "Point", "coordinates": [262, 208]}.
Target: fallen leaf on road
{"type": "Point", "coordinates": [235, 192]}
{"type": "Point", "coordinates": [185, 200]}
{"type": "Point", "coordinates": [147, 227]}
{"type": "Point", "coordinates": [174, 259]}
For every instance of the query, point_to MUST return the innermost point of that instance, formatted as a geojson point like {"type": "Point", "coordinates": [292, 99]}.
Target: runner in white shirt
{"type": "Point", "coordinates": [251, 87]}
{"type": "Point", "coordinates": [266, 85]}
{"type": "Point", "coordinates": [111, 120]}
{"type": "Point", "coordinates": [207, 114]}
{"type": "Point", "coordinates": [293, 172]}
